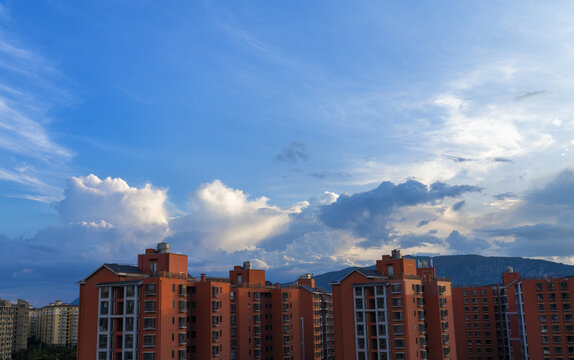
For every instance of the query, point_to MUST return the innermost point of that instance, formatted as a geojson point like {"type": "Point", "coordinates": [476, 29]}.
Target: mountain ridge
{"type": "Point", "coordinates": [470, 270]}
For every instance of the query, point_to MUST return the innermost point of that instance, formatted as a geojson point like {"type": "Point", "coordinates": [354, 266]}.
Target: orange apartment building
{"type": "Point", "coordinates": [518, 319]}
{"type": "Point", "coordinates": [130, 313]}
{"type": "Point", "coordinates": [157, 311]}
{"type": "Point", "coordinates": [318, 323]}
{"type": "Point", "coordinates": [397, 311]}
{"type": "Point", "coordinates": [265, 320]}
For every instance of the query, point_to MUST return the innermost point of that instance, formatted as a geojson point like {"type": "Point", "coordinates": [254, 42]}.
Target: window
{"type": "Point", "coordinates": [148, 340]}
{"type": "Point", "coordinates": [397, 302]}
{"type": "Point", "coordinates": [396, 288]}
{"type": "Point", "coordinates": [129, 324]}
{"type": "Point", "coordinates": [555, 328]}
{"type": "Point", "coordinates": [538, 286]}
{"type": "Point", "coordinates": [149, 289]}
{"type": "Point", "coordinates": [397, 315]}
{"type": "Point", "coordinates": [148, 356]}
{"type": "Point", "coordinates": [149, 323]}
{"type": "Point", "coordinates": [399, 343]}
{"type": "Point", "coordinates": [182, 322]}
{"type": "Point", "coordinates": [444, 326]}
{"type": "Point", "coordinates": [398, 329]}
{"type": "Point", "coordinates": [104, 307]}
{"type": "Point", "coordinates": [129, 341]}
{"type": "Point", "coordinates": [103, 341]}
{"type": "Point", "coordinates": [149, 306]}
{"type": "Point", "coordinates": [130, 291]}
{"type": "Point", "coordinates": [103, 325]}
{"type": "Point", "coordinates": [182, 305]}
{"type": "Point", "coordinates": [104, 292]}
{"type": "Point", "coordinates": [358, 303]}
{"type": "Point", "coordinates": [556, 339]}
{"type": "Point", "coordinates": [130, 307]}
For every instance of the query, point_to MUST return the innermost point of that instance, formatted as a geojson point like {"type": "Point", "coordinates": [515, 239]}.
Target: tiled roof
{"type": "Point", "coordinates": [123, 269]}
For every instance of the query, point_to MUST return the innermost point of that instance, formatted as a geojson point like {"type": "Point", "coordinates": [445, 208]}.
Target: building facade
{"type": "Point", "coordinates": [157, 311]}
{"type": "Point", "coordinates": [318, 321]}
{"type": "Point", "coordinates": [398, 311]}
{"type": "Point", "coordinates": [517, 319]}
{"type": "Point", "coordinates": [14, 327]}
{"type": "Point", "coordinates": [55, 324]}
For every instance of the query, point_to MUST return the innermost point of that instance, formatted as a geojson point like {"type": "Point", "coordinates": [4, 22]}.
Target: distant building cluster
{"type": "Point", "coordinates": [400, 310]}
{"type": "Point", "coordinates": [55, 324]}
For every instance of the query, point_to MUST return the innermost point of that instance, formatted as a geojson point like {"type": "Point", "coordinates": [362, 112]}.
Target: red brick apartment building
{"type": "Point", "coordinates": [518, 319]}
{"type": "Point", "coordinates": [397, 311]}
{"type": "Point", "coordinates": [157, 311]}
{"type": "Point", "coordinates": [317, 316]}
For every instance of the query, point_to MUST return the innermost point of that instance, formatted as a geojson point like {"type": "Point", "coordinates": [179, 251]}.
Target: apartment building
{"type": "Point", "coordinates": [55, 324]}
{"type": "Point", "coordinates": [517, 319]}
{"type": "Point", "coordinates": [209, 325]}
{"type": "Point", "coordinates": [129, 312]}
{"type": "Point", "coordinates": [265, 319]}
{"type": "Point", "coordinates": [14, 327]}
{"type": "Point", "coordinates": [398, 311]}
{"type": "Point", "coordinates": [316, 307]}
{"type": "Point", "coordinates": [157, 311]}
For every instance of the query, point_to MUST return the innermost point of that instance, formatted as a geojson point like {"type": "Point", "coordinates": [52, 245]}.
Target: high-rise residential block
{"type": "Point", "coordinates": [317, 316]}
{"type": "Point", "coordinates": [517, 319]}
{"type": "Point", "coordinates": [398, 311]}
{"type": "Point", "coordinates": [157, 311]}
{"type": "Point", "coordinates": [55, 324]}
{"type": "Point", "coordinates": [14, 327]}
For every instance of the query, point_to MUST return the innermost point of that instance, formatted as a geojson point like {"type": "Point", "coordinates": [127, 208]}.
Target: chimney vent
{"type": "Point", "coordinates": [396, 254]}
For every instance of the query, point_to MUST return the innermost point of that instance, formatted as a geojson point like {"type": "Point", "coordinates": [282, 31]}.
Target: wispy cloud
{"type": "Point", "coordinates": [30, 157]}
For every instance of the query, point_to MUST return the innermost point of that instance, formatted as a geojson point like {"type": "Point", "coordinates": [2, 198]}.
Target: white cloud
{"type": "Point", "coordinates": [111, 200]}
{"type": "Point", "coordinates": [230, 221]}
{"type": "Point", "coordinates": [30, 87]}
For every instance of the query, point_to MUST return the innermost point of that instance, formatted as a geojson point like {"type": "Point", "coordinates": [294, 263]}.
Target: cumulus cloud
{"type": "Point", "coordinates": [92, 200]}
{"type": "Point", "coordinates": [226, 219]}
{"type": "Point", "coordinates": [368, 214]}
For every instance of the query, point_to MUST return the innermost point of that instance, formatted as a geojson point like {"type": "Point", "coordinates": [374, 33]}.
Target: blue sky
{"type": "Point", "coordinates": [301, 136]}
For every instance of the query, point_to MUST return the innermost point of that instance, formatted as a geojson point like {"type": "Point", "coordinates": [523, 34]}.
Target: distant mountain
{"type": "Point", "coordinates": [467, 270]}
